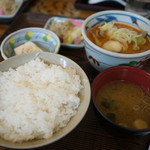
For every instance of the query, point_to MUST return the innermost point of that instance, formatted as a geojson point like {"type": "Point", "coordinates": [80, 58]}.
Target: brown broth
{"type": "Point", "coordinates": [97, 37]}
{"type": "Point", "coordinates": [124, 103]}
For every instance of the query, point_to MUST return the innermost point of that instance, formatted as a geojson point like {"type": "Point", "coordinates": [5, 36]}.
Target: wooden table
{"type": "Point", "coordinates": [90, 134]}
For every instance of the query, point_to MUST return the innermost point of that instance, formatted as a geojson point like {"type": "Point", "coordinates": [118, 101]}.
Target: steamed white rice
{"type": "Point", "coordinates": [36, 100]}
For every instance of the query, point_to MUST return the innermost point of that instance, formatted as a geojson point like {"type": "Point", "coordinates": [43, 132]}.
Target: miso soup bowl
{"type": "Point", "coordinates": [129, 74]}
{"type": "Point", "coordinates": [102, 59]}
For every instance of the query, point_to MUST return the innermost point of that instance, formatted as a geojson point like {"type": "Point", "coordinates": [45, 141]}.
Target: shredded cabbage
{"type": "Point", "coordinates": [123, 35]}
{"type": "Point", "coordinates": [107, 26]}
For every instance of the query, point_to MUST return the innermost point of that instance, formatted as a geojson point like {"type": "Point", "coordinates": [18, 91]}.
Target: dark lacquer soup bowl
{"type": "Point", "coordinates": [123, 93]}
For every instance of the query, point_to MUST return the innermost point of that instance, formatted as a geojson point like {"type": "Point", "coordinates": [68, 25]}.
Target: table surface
{"type": "Point", "coordinates": [90, 134]}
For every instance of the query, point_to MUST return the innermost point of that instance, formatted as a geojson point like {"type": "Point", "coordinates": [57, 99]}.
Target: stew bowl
{"type": "Point", "coordinates": [102, 59]}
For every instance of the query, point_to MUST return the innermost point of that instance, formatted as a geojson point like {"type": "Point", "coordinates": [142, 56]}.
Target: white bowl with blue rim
{"type": "Point", "coordinates": [44, 39]}
{"type": "Point", "coordinates": [102, 59]}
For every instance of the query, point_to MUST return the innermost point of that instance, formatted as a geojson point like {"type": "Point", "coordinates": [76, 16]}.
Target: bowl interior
{"type": "Point", "coordinates": [131, 19]}
{"type": "Point", "coordinates": [44, 39]}
{"type": "Point", "coordinates": [122, 73]}
{"type": "Point", "coordinates": [84, 95]}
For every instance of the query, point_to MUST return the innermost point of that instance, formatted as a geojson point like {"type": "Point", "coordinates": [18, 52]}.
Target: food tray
{"type": "Point", "coordinates": [89, 134]}
{"type": "Point", "coordinates": [62, 20]}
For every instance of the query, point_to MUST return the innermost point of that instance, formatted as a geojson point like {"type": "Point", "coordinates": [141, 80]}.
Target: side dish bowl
{"type": "Point", "coordinates": [59, 25]}
{"type": "Point", "coordinates": [85, 95]}
{"type": "Point", "coordinates": [132, 75]}
{"type": "Point", "coordinates": [44, 39]}
{"type": "Point", "coordinates": [11, 16]}
{"type": "Point", "coordinates": [102, 59]}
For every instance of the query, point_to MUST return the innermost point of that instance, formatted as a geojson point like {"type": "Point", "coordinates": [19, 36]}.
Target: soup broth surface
{"type": "Point", "coordinates": [100, 39]}
{"type": "Point", "coordinates": [125, 104]}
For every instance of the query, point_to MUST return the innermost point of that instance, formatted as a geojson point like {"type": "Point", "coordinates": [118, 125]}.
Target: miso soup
{"type": "Point", "coordinates": [125, 104]}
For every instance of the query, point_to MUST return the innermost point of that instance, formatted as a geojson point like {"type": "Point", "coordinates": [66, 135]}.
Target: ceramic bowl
{"type": "Point", "coordinates": [75, 22]}
{"type": "Point", "coordinates": [120, 73]}
{"type": "Point", "coordinates": [11, 16]}
{"type": "Point", "coordinates": [102, 59]}
{"type": "Point", "coordinates": [45, 39]}
{"type": "Point", "coordinates": [85, 95]}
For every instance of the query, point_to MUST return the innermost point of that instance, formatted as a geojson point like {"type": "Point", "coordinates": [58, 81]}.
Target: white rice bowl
{"type": "Point", "coordinates": [40, 102]}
